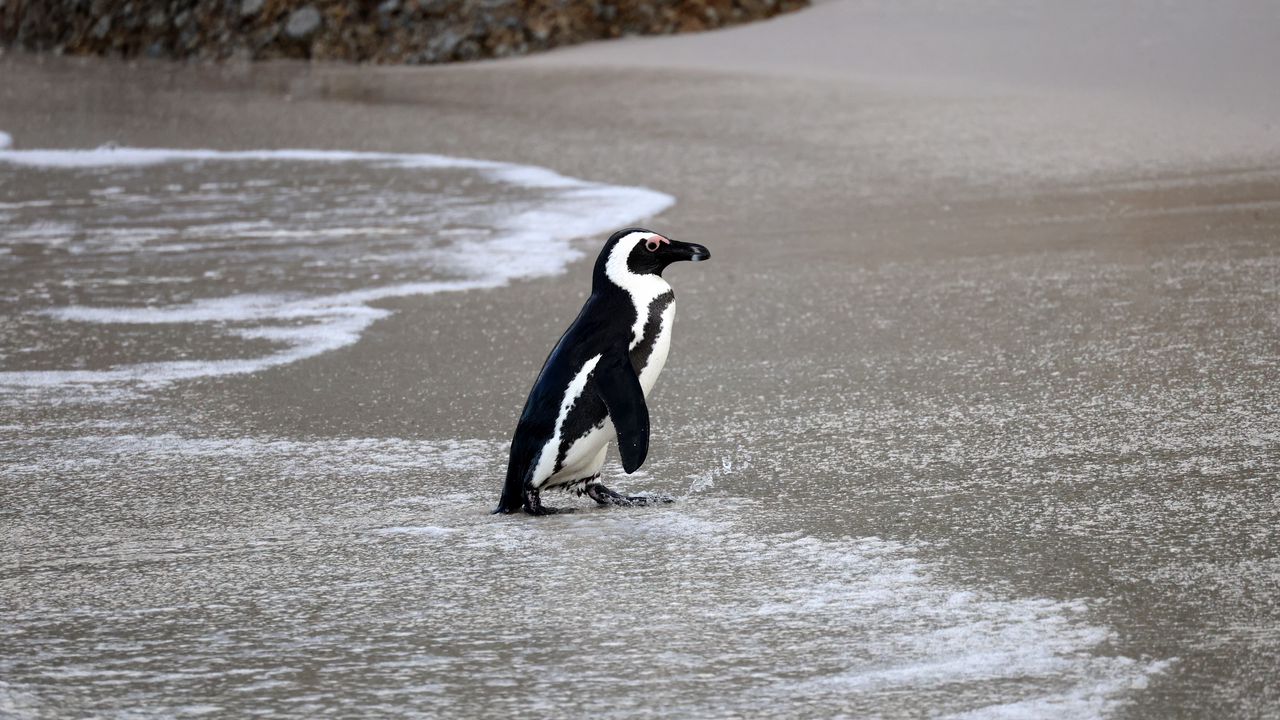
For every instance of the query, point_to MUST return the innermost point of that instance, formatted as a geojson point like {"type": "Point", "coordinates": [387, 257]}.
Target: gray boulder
{"type": "Point", "coordinates": [303, 23]}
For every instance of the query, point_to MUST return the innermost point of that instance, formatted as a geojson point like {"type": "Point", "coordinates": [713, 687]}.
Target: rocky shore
{"type": "Point", "coordinates": [378, 31]}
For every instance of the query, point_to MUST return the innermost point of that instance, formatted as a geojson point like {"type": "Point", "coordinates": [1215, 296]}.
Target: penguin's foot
{"type": "Point", "coordinates": [533, 505]}
{"type": "Point", "coordinates": [605, 496]}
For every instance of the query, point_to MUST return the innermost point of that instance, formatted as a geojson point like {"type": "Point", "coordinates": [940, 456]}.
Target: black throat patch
{"type": "Point", "coordinates": [641, 352]}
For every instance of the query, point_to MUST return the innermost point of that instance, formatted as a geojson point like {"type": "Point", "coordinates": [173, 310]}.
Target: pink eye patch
{"type": "Point", "coordinates": [653, 243]}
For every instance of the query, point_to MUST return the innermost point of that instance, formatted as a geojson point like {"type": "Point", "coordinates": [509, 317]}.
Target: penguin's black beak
{"type": "Point", "coordinates": [687, 251]}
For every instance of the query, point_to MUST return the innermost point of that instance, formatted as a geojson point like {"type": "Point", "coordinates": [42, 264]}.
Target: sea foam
{"type": "Point", "coordinates": [481, 246]}
{"type": "Point", "coordinates": [385, 545]}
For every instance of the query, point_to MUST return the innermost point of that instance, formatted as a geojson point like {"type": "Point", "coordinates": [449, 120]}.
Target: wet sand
{"type": "Point", "coordinates": [974, 409]}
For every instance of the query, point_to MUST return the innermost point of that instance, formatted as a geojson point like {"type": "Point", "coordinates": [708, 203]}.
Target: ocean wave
{"type": "Point", "coordinates": [309, 238]}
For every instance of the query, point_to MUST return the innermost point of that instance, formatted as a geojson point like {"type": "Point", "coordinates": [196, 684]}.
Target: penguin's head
{"type": "Point", "coordinates": [637, 251]}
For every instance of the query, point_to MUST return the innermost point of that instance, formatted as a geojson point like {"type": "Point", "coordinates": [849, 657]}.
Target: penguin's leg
{"type": "Point", "coordinates": [533, 504]}
{"type": "Point", "coordinates": [604, 496]}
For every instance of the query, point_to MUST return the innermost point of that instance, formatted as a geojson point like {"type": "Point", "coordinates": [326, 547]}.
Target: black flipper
{"type": "Point", "coordinates": [620, 390]}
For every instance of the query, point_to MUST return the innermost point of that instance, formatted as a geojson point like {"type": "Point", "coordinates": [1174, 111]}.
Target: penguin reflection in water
{"type": "Point", "coordinates": [595, 381]}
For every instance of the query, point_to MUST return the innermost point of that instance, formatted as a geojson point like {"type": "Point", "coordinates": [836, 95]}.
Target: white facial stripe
{"type": "Point", "coordinates": [643, 289]}
{"type": "Point", "coordinates": [547, 458]}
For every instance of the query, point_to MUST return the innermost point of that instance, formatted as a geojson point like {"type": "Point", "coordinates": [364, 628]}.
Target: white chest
{"type": "Point", "coordinates": [661, 344]}
{"type": "Point", "coordinates": [585, 455]}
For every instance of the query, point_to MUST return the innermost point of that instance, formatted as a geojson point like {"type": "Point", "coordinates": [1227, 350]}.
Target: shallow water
{"type": "Point", "coordinates": [191, 586]}
{"type": "Point", "coordinates": [141, 266]}
{"type": "Point", "coordinates": [1011, 484]}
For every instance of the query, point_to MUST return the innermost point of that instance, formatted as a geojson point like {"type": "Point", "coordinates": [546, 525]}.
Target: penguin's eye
{"type": "Point", "coordinates": [655, 242]}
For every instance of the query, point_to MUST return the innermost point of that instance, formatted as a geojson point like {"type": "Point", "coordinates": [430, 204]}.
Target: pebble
{"type": "Point", "coordinates": [102, 27]}
{"type": "Point", "coordinates": [303, 23]}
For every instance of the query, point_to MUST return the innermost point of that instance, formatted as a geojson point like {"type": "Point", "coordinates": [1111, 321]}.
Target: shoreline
{"type": "Point", "coordinates": [936, 145]}
{"type": "Point", "coordinates": [1026, 332]}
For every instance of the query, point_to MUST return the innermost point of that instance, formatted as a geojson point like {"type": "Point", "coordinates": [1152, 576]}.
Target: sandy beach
{"type": "Point", "coordinates": [972, 414]}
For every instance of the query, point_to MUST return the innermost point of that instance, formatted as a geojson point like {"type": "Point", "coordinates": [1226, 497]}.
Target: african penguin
{"type": "Point", "coordinates": [594, 383]}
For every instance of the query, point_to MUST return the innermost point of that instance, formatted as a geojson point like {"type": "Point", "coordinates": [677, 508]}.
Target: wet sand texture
{"type": "Point", "coordinates": [973, 413]}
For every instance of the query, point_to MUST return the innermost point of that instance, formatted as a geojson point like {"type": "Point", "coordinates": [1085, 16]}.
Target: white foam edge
{"type": "Point", "coordinates": [430, 531]}
{"type": "Point", "coordinates": [580, 208]}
